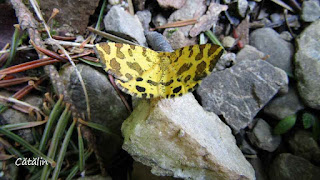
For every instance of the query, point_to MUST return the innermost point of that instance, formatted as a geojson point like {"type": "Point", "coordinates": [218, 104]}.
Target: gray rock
{"type": "Point", "coordinates": [259, 168]}
{"type": "Point", "coordinates": [106, 107]}
{"type": "Point", "coordinates": [143, 172]}
{"type": "Point", "coordinates": [287, 166]}
{"type": "Point", "coordinates": [285, 35]}
{"type": "Point", "coordinates": [284, 105]}
{"type": "Point", "coordinates": [225, 61]}
{"type": "Point", "coordinates": [310, 11]}
{"type": "Point", "coordinates": [302, 144]}
{"type": "Point", "coordinates": [261, 136]}
{"type": "Point", "coordinates": [269, 42]}
{"type": "Point", "coordinates": [250, 53]}
{"type": "Point", "coordinates": [12, 116]}
{"type": "Point", "coordinates": [242, 7]}
{"type": "Point", "coordinates": [177, 37]}
{"type": "Point", "coordinates": [159, 20]}
{"type": "Point", "coordinates": [228, 41]}
{"type": "Point", "coordinates": [76, 18]}
{"type": "Point", "coordinates": [177, 4]}
{"type": "Point", "coordinates": [145, 19]}
{"type": "Point", "coordinates": [246, 148]}
{"type": "Point", "coordinates": [158, 42]}
{"type": "Point", "coordinates": [123, 24]}
{"type": "Point", "coordinates": [176, 137]}
{"type": "Point", "coordinates": [238, 93]}
{"type": "Point", "coordinates": [307, 65]}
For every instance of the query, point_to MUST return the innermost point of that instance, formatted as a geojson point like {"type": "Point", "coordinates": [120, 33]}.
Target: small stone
{"type": "Point", "coordinates": [177, 4]}
{"type": "Point", "coordinates": [288, 166]}
{"type": "Point", "coordinates": [122, 23]}
{"type": "Point", "coordinates": [114, 2]}
{"type": "Point", "coordinates": [276, 17]}
{"type": "Point", "coordinates": [139, 5]}
{"type": "Point", "coordinates": [249, 53]}
{"type": "Point", "coordinates": [177, 38]}
{"type": "Point", "coordinates": [262, 137]}
{"type": "Point", "coordinates": [238, 93]}
{"type": "Point", "coordinates": [145, 19]}
{"type": "Point", "coordinates": [269, 42]}
{"type": "Point", "coordinates": [307, 65]}
{"type": "Point", "coordinates": [228, 42]}
{"type": "Point", "coordinates": [159, 20]}
{"type": "Point", "coordinates": [302, 144]}
{"type": "Point", "coordinates": [226, 60]}
{"type": "Point", "coordinates": [176, 137]}
{"type": "Point", "coordinates": [242, 7]}
{"type": "Point", "coordinates": [284, 105]}
{"type": "Point", "coordinates": [158, 42]}
{"type": "Point", "coordinates": [310, 10]}
{"type": "Point", "coordinates": [286, 36]}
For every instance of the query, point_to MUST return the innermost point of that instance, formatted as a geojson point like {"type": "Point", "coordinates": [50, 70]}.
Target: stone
{"type": "Point", "coordinates": [125, 25]}
{"type": "Point", "coordinates": [176, 137]}
{"type": "Point", "coordinates": [310, 11]}
{"type": "Point", "coordinates": [288, 166]}
{"type": "Point", "coordinates": [259, 168]}
{"type": "Point", "coordinates": [284, 105]}
{"type": "Point", "coordinates": [178, 39]}
{"type": "Point", "coordinates": [242, 6]}
{"type": "Point", "coordinates": [145, 19]}
{"type": "Point", "coordinates": [285, 35]}
{"type": "Point", "coordinates": [208, 20]}
{"type": "Point", "coordinates": [261, 136]}
{"type": "Point", "coordinates": [302, 144]}
{"type": "Point", "coordinates": [269, 42]}
{"type": "Point", "coordinates": [77, 18]}
{"type": "Point", "coordinates": [307, 65]}
{"type": "Point", "coordinates": [242, 31]}
{"type": "Point", "coordinates": [159, 20]}
{"type": "Point", "coordinates": [177, 4]}
{"type": "Point", "coordinates": [106, 106]}
{"type": "Point", "coordinates": [249, 53]}
{"type": "Point", "coordinates": [228, 42]}
{"type": "Point", "coordinates": [238, 93]}
{"type": "Point", "coordinates": [12, 116]}
{"type": "Point", "coordinates": [226, 60]}
{"type": "Point", "coordinates": [158, 42]}
{"type": "Point", "coordinates": [139, 5]}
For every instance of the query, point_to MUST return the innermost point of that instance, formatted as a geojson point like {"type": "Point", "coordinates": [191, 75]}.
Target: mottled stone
{"type": "Point", "coordinates": [76, 14]}
{"type": "Point", "coordinates": [228, 41]}
{"type": "Point", "coordinates": [288, 166]}
{"type": "Point", "coordinates": [238, 93]}
{"type": "Point", "coordinates": [269, 42]}
{"type": "Point", "coordinates": [307, 65]}
{"type": "Point", "coordinates": [121, 23]}
{"type": "Point", "coordinates": [176, 140]}
{"type": "Point", "coordinates": [249, 53]}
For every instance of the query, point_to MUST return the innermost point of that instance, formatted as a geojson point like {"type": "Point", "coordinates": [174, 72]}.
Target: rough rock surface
{"type": "Point", "coordinates": [176, 137]}
{"type": "Point", "coordinates": [288, 166]}
{"type": "Point", "coordinates": [177, 4]}
{"type": "Point", "coordinates": [77, 18]}
{"type": "Point", "coordinates": [106, 107]}
{"type": "Point", "coordinates": [269, 42]}
{"type": "Point", "coordinates": [145, 19]}
{"type": "Point", "coordinates": [12, 116]}
{"type": "Point", "coordinates": [242, 7]}
{"type": "Point", "coordinates": [238, 93]}
{"type": "Point", "coordinates": [259, 168]}
{"type": "Point", "coordinates": [262, 137]}
{"type": "Point", "coordinates": [284, 105]}
{"type": "Point", "coordinates": [302, 144]}
{"type": "Point", "coordinates": [121, 23]}
{"type": "Point", "coordinates": [307, 65]}
{"type": "Point", "coordinates": [250, 53]}
{"type": "Point", "coordinates": [310, 10]}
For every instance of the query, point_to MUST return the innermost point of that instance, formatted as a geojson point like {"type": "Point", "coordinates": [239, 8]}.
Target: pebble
{"type": "Point", "coordinates": [310, 10]}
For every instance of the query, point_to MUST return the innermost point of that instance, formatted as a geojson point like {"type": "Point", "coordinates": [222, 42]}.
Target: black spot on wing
{"type": "Point", "coordinates": [177, 89]}
{"type": "Point", "coordinates": [140, 89]}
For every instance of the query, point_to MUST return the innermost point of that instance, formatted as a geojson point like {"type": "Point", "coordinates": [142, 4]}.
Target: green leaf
{"type": "Point", "coordinates": [285, 125]}
{"type": "Point", "coordinates": [308, 120]}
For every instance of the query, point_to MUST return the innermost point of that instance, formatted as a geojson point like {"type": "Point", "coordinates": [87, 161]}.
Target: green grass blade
{"type": "Point", "coordinates": [81, 150]}
{"type": "Point", "coordinates": [14, 45]}
{"type": "Point", "coordinates": [213, 38]}
{"type": "Point", "coordinates": [75, 169]}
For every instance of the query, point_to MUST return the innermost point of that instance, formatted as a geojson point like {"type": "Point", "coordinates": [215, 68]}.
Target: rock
{"type": "Point", "coordinates": [158, 42]}
{"type": "Point", "coordinates": [226, 60]}
{"type": "Point", "coordinates": [177, 4]}
{"type": "Point", "coordinates": [238, 93]}
{"type": "Point", "coordinates": [208, 20]}
{"type": "Point", "coordinates": [307, 65]}
{"type": "Point", "coordinates": [178, 37]}
{"type": "Point", "coordinates": [302, 144]}
{"type": "Point", "coordinates": [288, 166]}
{"type": "Point", "coordinates": [176, 137]}
{"type": "Point", "coordinates": [142, 172]}
{"type": "Point", "coordinates": [106, 107]}
{"type": "Point", "coordinates": [123, 24]}
{"type": "Point", "coordinates": [284, 105]}
{"type": "Point", "coordinates": [285, 35]}
{"type": "Point", "coordinates": [249, 53]}
{"type": "Point", "coordinates": [12, 116]}
{"type": "Point", "coordinates": [145, 19]}
{"type": "Point", "coordinates": [242, 7]}
{"type": "Point", "coordinates": [242, 31]}
{"type": "Point", "coordinates": [246, 148]}
{"type": "Point", "coordinates": [310, 11]}
{"type": "Point", "coordinates": [159, 20]}
{"type": "Point", "coordinates": [114, 2]}
{"type": "Point", "coordinates": [228, 41]}
{"type": "Point", "coordinates": [259, 168]}
{"type": "Point", "coordinates": [77, 18]}
{"type": "Point", "coordinates": [269, 42]}
{"type": "Point", "coordinates": [139, 4]}
{"type": "Point", "coordinates": [95, 177]}
{"type": "Point", "coordinates": [262, 137]}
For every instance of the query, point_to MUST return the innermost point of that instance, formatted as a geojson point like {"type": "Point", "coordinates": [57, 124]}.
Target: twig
{"type": "Point", "coordinates": [285, 12]}
{"type": "Point", "coordinates": [176, 24]}
{"type": "Point", "coordinates": [131, 9]}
